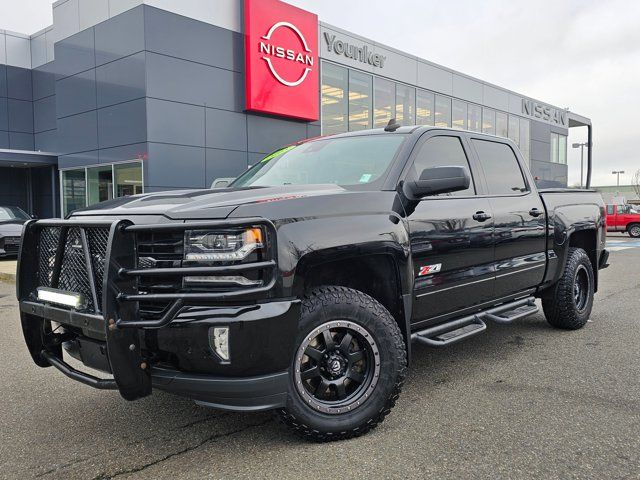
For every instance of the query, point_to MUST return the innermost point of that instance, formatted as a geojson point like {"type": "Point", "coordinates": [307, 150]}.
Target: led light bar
{"type": "Point", "coordinates": [68, 299]}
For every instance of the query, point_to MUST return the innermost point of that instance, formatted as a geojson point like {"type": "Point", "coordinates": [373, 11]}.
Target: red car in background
{"type": "Point", "coordinates": [623, 218]}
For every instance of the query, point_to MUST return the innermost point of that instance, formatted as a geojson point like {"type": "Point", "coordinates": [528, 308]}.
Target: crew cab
{"type": "Point", "coordinates": [302, 286]}
{"type": "Point", "coordinates": [623, 218]}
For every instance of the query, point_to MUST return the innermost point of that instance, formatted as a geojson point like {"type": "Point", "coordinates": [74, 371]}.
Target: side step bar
{"type": "Point", "coordinates": [461, 328]}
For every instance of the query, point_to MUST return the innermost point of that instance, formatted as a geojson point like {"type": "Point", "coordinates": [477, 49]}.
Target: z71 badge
{"type": "Point", "coordinates": [428, 269]}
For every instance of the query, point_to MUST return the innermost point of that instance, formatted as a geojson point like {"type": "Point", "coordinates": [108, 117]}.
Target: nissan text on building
{"type": "Point", "coordinates": [123, 97]}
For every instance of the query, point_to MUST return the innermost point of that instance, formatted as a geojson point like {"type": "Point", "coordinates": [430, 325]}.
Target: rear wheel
{"type": "Point", "coordinates": [349, 367]}
{"type": "Point", "coordinates": [568, 305]}
{"type": "Point", "coordinates": [634, 230]}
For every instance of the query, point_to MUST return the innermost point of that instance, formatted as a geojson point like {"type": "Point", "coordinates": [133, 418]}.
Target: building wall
{"type": "Point", "coordinates": [16, 108]}
{"type": "Point", "coordinates": [138, 86]}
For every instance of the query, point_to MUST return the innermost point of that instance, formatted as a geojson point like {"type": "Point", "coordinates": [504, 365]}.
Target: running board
{"type": "Point", "coordinates": [461, 328]}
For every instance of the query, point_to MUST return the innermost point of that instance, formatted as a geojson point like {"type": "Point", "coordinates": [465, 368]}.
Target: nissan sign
{"type": "Point", "coordinates": [282, 71]}
{"type": "Point", "coordinates": [540, 111]}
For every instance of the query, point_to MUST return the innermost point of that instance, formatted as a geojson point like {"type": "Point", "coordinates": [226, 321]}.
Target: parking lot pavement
{"type": "Point", "coordinates": [521, 401]}
{"type": "Point", "coordinates": [7, 269]}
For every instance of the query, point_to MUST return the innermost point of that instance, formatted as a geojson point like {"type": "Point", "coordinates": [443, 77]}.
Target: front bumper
{"type": "Point", "coordinates": [172, 353]}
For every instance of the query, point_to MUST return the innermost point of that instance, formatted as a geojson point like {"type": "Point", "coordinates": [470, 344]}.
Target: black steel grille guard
{"type": "Point", "coordinates": [115, 302]}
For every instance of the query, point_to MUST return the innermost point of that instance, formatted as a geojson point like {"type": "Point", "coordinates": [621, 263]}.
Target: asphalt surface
{"type": "Point", "coordinates": [520, 401]}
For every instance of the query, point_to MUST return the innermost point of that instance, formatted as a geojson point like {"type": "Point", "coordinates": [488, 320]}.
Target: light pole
{"type": "Point", "coordinates": [581, 147]}
{"type": "Point", "coordinates": [618, 172]}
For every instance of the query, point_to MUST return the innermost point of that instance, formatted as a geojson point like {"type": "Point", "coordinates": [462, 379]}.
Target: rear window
{"type": "Point", "coordinates": [610, 210]}
{"type": "Point", "coordinates": [501, 168]}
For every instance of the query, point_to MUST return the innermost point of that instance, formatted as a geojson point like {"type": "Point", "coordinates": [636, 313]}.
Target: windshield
{"type": "Point", "coordinates": [12, 213]}
{"type": "Point", "coordinates": [340, 161]}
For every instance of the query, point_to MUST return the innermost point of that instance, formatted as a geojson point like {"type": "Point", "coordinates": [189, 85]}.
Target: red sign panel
{"type": "Point", "coordinates": [282, 67]}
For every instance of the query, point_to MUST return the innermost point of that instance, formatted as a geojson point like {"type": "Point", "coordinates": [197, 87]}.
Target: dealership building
{"type": "Point", "coordinates": [120, 97]}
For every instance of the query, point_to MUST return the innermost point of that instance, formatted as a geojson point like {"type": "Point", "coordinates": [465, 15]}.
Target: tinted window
{"type": "Point", "coordinates": [609, 209]}
{"type": "Point", "coordinates": [501, 168]}
{"type": "Point", "coordinates": [12, 213]}
{"type": "Point", "coordinates": [442, 152]}
{"type": "Point", "coordinates": [340, 161]}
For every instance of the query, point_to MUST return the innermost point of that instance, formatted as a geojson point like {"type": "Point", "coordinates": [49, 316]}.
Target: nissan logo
{"type": "Point", "coordinates": [303, 58]}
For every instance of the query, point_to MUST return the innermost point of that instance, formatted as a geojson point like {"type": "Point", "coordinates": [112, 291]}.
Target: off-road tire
{"type": "Point", "coordinates": [326, 304]}
{"type": "Point", "coordinates": [634, 230]}
{"type": "Point", "coordinates": [559, 305]}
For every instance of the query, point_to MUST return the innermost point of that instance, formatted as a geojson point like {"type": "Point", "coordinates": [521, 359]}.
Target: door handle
{"type": "Point", "coordinates": [534, 212]}
{"type": "Point", "coordinates": [481, 216]}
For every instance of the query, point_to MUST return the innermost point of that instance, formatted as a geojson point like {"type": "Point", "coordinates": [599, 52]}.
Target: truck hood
{"type": "Point", "coordinates": [190, 204]}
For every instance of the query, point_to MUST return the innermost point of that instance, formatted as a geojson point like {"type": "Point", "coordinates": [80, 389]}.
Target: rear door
{"type": "Point", "coordinates": [452, 251]}
{"type": "Point", "coordinates": [519, 217]}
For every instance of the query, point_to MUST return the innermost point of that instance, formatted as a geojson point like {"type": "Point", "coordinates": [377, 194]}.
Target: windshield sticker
{"type": "Point", "coordinates": [276, 153]}
{"type": "Point", "coordinates": [365, 178]}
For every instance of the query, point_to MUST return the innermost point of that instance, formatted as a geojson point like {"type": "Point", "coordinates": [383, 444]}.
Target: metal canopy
{"type": "Point", "coordinates": [26, 159]}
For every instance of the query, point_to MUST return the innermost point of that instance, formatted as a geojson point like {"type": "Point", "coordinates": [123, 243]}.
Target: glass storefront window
{"type": "Point", "coordinates": [384, 102]}
{"type": "Point", "coordinates": [474, 117]}
{"type": "Point", "coordinates": [335, 105]}
{"type": "Point", "coordinates": [514, 129]}
{"type": "Point", "coordinates": [73, 190]}
{"type": "Point", "coordinates": [128, 179]}
{"type": "Point", "coordinates": [562, 149]}
{"type": "Point", "coordinates": [459, 114]}
{"type": "Point", "coordinates": [100, 184]}
{"type": "Point", "coordinates": [525, 140]}
{"type": "Point", "coordinates": [443, 111]}
{"type": "Point", "coordinates": [555, 141]}
{"type": "Point", "coordinates": [360, 100]}
{"type": "Point", "coordinates": [502, 124]}
{"type": "Point", "coordinates": [405, 105]}
{"type": "Point", "coordinates": [424, 107]}
{"type": "Point", "coordinates": [488, 121]}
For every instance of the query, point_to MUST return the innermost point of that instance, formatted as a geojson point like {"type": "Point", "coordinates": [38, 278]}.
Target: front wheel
{"type": "Point", "coordinates": [568, 305]}
{"type": "Point", "coordinates": [634, 230]}
{"type": "Point", "coordinates": [349, 366]}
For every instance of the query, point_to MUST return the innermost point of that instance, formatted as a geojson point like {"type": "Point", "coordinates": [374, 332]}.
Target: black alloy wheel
{"type": "Point", "coordinates": [348, 368]}
{"type": "Point", "coordinates": [337, 367]}
{"type": "Point", "coordinates": [568, 303]}
{"type": "Point", "coordinates": [581, 288]}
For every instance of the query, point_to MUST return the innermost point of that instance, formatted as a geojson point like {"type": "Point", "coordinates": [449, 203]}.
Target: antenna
{"type": "Point", "coordinates": [392, 126]}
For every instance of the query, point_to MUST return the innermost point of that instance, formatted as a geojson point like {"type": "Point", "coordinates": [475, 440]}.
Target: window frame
{"type": "Point", "coordinates": [519, 160]}
{"type": "Point", "coordinates": [432, 132]}
{"type": "Point", "coordinates": [84, 168]}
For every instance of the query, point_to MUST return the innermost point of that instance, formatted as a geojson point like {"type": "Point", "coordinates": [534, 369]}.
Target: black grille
{"type": "Point", "coordinates": [10, 245]}
{"type": "Point", "coordinates": [98, 239]}
{"type": "Point", "coordinates": [74, 275]}
{"type": "Point", "coordinates": [159, 250]}
{"type": "Point", "coordinates": [48, 245]}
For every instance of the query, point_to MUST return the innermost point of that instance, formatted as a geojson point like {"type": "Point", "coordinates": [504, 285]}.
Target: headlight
{"type": "Point", "coordinates": [218, 246]}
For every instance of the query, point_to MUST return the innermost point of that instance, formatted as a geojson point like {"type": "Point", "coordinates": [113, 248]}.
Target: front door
{"type": "Point", "coordinates": [451, 236]}
{"type": "Point", "coordinates": [519, 216]}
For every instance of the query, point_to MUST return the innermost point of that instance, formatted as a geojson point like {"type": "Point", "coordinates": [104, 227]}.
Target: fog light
{"type": "Point", "coordinates": [219, 341]}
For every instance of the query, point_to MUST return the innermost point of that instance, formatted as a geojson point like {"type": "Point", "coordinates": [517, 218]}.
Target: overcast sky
{"type": "Point", "coordinates": [581, 54]}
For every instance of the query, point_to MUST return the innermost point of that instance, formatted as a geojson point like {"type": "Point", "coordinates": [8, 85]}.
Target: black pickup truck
{"type": "Point", "coordinates": [301, 286]}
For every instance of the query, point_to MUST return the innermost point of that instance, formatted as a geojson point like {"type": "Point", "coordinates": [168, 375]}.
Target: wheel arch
{"type": "Point", "coordinates": [587, 240]}
{"type": "Point", "coordinates": [380, 274]}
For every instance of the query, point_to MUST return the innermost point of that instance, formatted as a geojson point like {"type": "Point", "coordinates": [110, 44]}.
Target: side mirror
{"type": "Point", "coordinates": [437, 180]}
{"type": "Point", "coordinates": [221, 182]}
{"type": "Point", "coordinates": [34, 216]}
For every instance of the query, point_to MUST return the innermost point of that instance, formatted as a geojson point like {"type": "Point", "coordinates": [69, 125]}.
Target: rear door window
{"type": "Point", "coordinates": [501, 168]}
{"type": "Point", "coordinates": [610, 210]}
